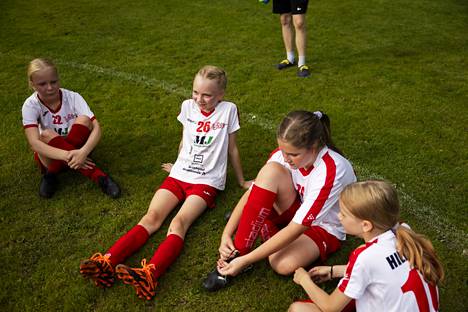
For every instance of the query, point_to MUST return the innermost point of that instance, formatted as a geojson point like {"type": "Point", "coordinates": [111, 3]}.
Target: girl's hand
{"type": "Point", "coordinates": [226, 248]}
{"type": "Point", "coordinates": [300, 275]}
{"type": "Point", "coordinates": [320, 274]}
{"type": "Point", "coordinates": [77, 159]}
{"type": "Point", "coordinates": [246, 185]}
{"type": "Point", "coordinates": [232, 268]}
{"type": "Point", "coordinates": [167, 167]}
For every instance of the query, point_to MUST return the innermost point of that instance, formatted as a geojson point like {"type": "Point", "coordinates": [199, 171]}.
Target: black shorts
{"type": "Point", "coordinates": [290, 6]}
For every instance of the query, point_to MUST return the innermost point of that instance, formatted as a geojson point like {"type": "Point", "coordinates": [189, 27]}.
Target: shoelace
{"type": "Point", "coordinates": [146, 268]}
{"type": "Point", "coordinates": [98, 257]}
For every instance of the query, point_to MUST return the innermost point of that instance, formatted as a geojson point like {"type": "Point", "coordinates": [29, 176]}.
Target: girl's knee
{"type": "Point", "coordinates": [282, 266]}
{"type": "Point", "coordinates": [152, 221]}
{"type": "Point", "coordinates": [83, 120]}
{"type": "Point", "coordinates": [177, 226]}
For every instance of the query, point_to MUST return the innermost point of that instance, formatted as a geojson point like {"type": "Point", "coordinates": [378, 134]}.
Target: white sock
{"type": "Point", "coordinates": [290, 56]}
{"type": "Point", "coordinates": [301, 60]}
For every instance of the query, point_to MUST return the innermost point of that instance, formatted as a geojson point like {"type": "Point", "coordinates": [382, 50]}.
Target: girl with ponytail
{"type": "Point", "coordinates": [396, 270]}
{"type": "Point", "coordinates": [293, 204]}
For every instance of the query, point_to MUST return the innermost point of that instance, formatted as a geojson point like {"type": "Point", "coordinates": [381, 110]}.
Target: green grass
{"type": "Point", "coordinates": [391, 74]}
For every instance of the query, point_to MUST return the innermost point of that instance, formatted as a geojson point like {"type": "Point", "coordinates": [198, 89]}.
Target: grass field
{"type": "Point", "coordinates": [391, 74]}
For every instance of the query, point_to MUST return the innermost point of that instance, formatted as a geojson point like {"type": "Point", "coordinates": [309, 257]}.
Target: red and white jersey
{"type": "Point", "coordinates": [203, 157]}
{"type": "Point", "coordinates": [319, 189]}
{"type": "Point", "coordinates": [37, 114]}
{"type": "Point", "coordinates": [381, 280]}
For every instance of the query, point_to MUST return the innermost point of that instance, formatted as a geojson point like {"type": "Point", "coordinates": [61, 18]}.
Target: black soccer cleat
{"type": "Point", "coordinates": [215, 281]}
{"type": "Point", "coordinates": [108, 186]}
{"type": "Point", "coordinates": [48, 185]}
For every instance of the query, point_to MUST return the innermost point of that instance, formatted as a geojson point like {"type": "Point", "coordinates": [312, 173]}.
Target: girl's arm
{"type": "Point", "coordinates": [280, 240]}
{"type": "Point", "coordinates": [323, 273]}
{"type": "Point", "coordinates": [334, 302]}
{"type": "Point", "coordinates": [78, 157]}
{"type": "Point", "coordinates": [33, 137]}
{"type": "Point", "coordinates": [234, 156]}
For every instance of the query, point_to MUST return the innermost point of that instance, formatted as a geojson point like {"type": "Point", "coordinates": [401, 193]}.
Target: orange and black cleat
{"type": "Point", "coordinates": [99, 269]}
{"type": "Point", "coordinates": [141, 279]}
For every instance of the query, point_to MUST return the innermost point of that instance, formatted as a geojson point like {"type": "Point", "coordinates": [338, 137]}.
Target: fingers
{"type": "Point", "coordinates": [166, 167]}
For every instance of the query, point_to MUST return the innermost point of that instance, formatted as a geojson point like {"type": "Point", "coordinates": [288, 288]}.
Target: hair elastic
{"type": "Point", "coordinates": [318, 114]}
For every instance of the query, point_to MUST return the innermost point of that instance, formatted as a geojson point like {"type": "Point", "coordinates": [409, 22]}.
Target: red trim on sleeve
{"type": "Point", "coordinates": [324, 191]}
{"type": "Point", "coordinates": [93, 118]}
{"type": "Point", "coordinates": [30, 126]}
{"type": "Point", "coordinates": [352, 260]}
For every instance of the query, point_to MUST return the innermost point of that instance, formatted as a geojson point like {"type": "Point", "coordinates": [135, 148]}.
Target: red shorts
{"type": "Point", "coordinates": [326, 242]}
{"type": "Point", "coordinates": [350, 307]}
{"type": "Point", "coordinates": [183, 189]}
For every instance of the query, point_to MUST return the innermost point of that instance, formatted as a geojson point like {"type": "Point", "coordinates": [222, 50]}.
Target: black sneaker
{"type": "Point", "coordinates": [108, 186]}
{"type": "Point", "coordinates": [303, 71]}
{"type": "Point", "coordinates": [48, 185]}
{"type": "Point", "coordinates": [215, 281]}
{"type": "Point", "coordinates": [284, 64]}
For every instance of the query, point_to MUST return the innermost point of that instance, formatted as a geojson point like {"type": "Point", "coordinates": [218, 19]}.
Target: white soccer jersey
{"type": "Point", "coordinates": [203, 157]}
{"type": "Point", "coordinates": [381, 280]}
{"type": "Point", "coordinates": [37, 114]}
{"type": "Point", "coordinates": [319, 189]}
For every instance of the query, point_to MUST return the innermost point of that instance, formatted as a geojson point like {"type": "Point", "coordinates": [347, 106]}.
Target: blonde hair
{"type": "Point", "coordinates": [214, 73]}
{"type": "Point", "coordinates": [37, 65]}
{"type": "Point", "coordinates": [377, 202]}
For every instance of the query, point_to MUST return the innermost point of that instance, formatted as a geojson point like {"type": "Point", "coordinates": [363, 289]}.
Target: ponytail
{"type": "Point", "coordinates": [420, 253]}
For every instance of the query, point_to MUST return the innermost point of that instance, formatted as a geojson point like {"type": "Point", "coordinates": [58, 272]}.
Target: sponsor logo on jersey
{"type": "Point", "coordinates": [203, 140]}
{"type": "Point", "coordinates": [198, 159]}
{"type": "Point", "coordinates": [218, 125]}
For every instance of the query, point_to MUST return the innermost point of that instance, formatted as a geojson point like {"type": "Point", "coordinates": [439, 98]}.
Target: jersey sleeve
{"type": "Point", "coordinates": [30, 115]}
{"type": "Point", "coordinates": [322, 194]}
{"type": "Point", "coordinates": [234, 124]}
{"type": "Point", "coordinates": [81, 107]}
{"type": "Point", "coordinates": [356, 278]}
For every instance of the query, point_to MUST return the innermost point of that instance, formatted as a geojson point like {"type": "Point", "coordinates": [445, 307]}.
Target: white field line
{"type": "Point", "coordinates": [430, 218]}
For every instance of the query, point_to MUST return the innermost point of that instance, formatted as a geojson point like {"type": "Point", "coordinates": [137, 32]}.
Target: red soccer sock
{"type": "Point", "coordinates": [56, 166]}
{"type": "Point", "coordinates": [78, 135]}
{"type": "Point", "coordinates": [256, 211]}
{"type": "Point", "coordinates": [166, 254]}
{"type": "Point", "coordinates": [128, 244]}
{"type": "Point", "coordinates": [268, 230]}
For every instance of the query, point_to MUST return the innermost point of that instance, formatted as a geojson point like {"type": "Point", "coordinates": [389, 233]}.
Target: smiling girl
{"type": "Point", "coordinates": [210, 128]}
{"type": "Point", "coordinates": [293, 204]}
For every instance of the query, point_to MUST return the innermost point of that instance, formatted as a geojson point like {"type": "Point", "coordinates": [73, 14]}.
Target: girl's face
{"type": "Point", "coordinates": [297, 157]}
{"type": "Point", "coordinates": [206, 93]}
{"type": "Point", "coordinates": [46, 83]}
{"type": "Point", "coordinates": [352, 225]}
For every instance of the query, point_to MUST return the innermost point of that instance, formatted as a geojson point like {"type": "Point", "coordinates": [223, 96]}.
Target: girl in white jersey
{"type": "Point", "coordinates": [61, 130]}
{"type": "Point", "coordinates": [293, 204]}
{"type": "Point", "coordinates": [396, 269]}
{"type": "Point", "coordinates": [210, 127]}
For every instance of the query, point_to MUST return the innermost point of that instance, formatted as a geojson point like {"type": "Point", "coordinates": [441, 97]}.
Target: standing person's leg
{"type": "Point", "coordinates": [288, 40]}
{"type": "Point", "coordinates": [283, 8]}
{"type": "Point", "coordinates": [100, 268]}
{"type": "Point", "coordinates": [299, 10]}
